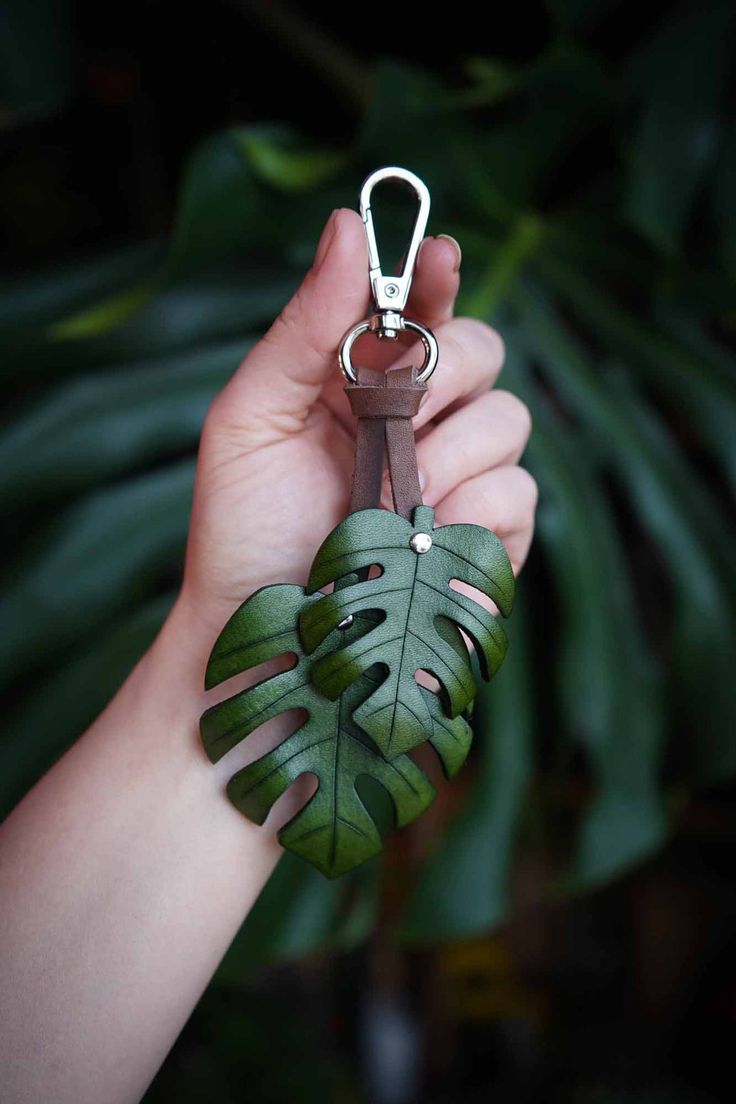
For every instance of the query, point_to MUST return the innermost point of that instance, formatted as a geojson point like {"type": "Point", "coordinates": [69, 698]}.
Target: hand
{"type": "Point", "coordinates": [276, 453]}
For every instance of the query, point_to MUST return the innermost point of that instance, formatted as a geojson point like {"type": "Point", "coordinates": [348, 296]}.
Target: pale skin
{"type": "Point", "coordinates": [125, 873]}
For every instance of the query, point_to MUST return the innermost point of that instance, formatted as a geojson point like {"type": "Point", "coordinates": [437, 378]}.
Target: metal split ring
{"type": "Point", "coordinates": [431, 350]}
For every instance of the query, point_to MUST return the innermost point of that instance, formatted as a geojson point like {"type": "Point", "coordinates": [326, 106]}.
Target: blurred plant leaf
{"type": "Point", "coordinates": [687, 526]}
{"type": "Point", "coordinates": [405, 105]}
{"type": "Point", "coordinates": [610, 696]}
{"type": "Point", "coordinates": [579, 15]}
{"type": "Point", "coordinates": [705, 647]}
{"type": "Point", "coordinates": [36, 57]}
{"type": "Point", "coordinates": [61, 707]}
{"type": "Point", "coordinates": [104, 552]}
{"type": "Point", "coordinates": [181, 317]}
{"type": "Point", "coordinates": [703, 392]}
{"type": "Point", "coordinates": [236, 195]}
{"type": "Point", "coordinates": [680, 75]}
{"type": "Point", "coordinates": [300, 912]}
{"type": "Point", "coordinates": [282, 159]}
{"type": "Point", "coordinates": [123, 419]}
{"type": "Point", "coordinates": [724, 189]}
{"type": "Point", "coordinates": [37, 300]}
{"type": "Point", "coordinates": [107, 315]}
{"type": "Point", "coordinates": [494, 81]}
{"type": "Point", "coordinates": [462, 888]}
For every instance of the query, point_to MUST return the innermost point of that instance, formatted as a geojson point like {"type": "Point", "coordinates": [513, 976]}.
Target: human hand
{"type": "Point", "coordinates": [276, 453]}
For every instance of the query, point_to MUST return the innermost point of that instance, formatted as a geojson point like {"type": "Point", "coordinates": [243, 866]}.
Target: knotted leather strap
{"type": "Point", "coordinates": [384, 404]}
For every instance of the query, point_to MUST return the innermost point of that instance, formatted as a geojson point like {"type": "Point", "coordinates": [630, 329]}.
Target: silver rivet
{"type": "Point", "coordinates": [391, 289]}
{"type": "Point", "coordinates": [420, 543]}
{"type": "Point", "coordinates": [346, 622]}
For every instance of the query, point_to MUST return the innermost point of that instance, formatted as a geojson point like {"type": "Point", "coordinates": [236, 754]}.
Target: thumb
{"type": "Point", "coordinates": [283, 374]}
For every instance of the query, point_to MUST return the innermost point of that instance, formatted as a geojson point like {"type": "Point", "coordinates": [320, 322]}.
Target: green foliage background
{"type": "Point", "coordinates": [594, 204]}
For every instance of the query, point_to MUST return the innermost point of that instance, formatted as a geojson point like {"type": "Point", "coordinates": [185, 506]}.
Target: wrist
{"type": "Point", "coordinates": [169, 684]}
{"type": "Point", "coordinates": [190, 630]}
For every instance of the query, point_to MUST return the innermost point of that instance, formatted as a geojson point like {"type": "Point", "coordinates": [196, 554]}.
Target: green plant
{"type": "Point", "coordinates": [593, 203]}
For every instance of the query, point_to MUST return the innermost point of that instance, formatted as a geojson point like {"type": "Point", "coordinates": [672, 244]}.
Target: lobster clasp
{"type": "Point", "coordinates": [390, 293]}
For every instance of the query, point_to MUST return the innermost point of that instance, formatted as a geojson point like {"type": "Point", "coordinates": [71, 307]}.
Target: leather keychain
{"type": "Point", "coordinates": [360, 645]}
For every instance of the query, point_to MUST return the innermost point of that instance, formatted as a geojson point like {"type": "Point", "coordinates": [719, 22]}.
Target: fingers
{"type": "Point", "coordinates": [278, 381]}
{"type": "Point", "coordinates": [471, 358]}
{"type": "Point", "coordinates": [274, 388]}
{"type": "Point", "coordinates": [488, 432]}
{"type": "Point", "coordinates": [431, 301]}
{"type": "Point", "coordinates": [504, 500]}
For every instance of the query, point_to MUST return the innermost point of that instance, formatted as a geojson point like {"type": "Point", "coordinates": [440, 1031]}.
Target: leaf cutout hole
{"type": "Point", "coordinates": [475, 595]}
{"type": "Point", "coordinates": [427, 679]}
{"type": "Point", "coordinates": [293, 800]}
{"type": "Point", "coordinates": [374, 571]}
{"type": "Point", "coordinates": [369, 618]}
{"type": "Point", "coordinates": [263, 740]}
{"type": "Point", "coordinates": [428, 761]}
{"type": "Point", "coordinates": [356, 625]}
{"type": "Point", "coordinates": [253, 675]}
{"type": "Point", "coordinates": [378, 802]}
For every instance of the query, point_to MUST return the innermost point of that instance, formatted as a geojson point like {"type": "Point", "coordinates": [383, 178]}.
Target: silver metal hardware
{"type": "Point", "coordinates": [420, 543]}
{"type": "Point", "coordinates": [390, 293]}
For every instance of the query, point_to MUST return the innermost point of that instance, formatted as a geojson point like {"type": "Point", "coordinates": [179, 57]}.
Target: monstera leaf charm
{"type": "Point", "coordinates": [414, 598]}
{"type": "Point", "coordinates": [382, 637]}
{"type": "Point", "coordinates": [334, 830]}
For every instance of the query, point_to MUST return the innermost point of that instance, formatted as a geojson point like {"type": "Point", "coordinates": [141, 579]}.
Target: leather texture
{"type": "Point", "coordinates": [335, 830]}
{"type": "Point", "coordinates": [422, 615]}
{"type": "Point", "coordinates": [384, 404]}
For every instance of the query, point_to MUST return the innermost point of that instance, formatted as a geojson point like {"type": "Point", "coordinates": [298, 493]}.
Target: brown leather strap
{"type": "Point", "coordinates": [384, 404]}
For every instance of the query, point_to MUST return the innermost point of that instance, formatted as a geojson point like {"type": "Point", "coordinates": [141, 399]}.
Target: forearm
{"type": "Point", "coordinates": [125, 874]}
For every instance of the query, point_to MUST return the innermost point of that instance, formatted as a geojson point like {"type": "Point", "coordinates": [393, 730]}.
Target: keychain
{"type": "Point", "coordinates": [389, 614]}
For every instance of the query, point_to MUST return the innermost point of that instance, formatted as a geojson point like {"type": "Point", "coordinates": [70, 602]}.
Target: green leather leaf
{"type": "Point", "coordinates": [334, 830]}
{"type": "Point", "coordinates": [414, 596]}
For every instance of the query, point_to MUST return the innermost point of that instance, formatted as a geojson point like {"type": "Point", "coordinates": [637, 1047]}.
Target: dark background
{"type": "Point", "coordinates": [148, 81]}
{"type": "Point", "coordinates": [600, 966]}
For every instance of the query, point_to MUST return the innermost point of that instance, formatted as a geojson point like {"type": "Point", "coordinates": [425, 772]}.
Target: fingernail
{"type": "Point", "coordinates": [458, 250]}
{"type": "Point", "coordinates": [422, 480]}
{"type": "Point", "coordinates": [325, 241]}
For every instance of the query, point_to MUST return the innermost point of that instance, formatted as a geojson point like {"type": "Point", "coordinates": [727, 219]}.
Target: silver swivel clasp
{"type": "Point", "coordinates": [390, 293]}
